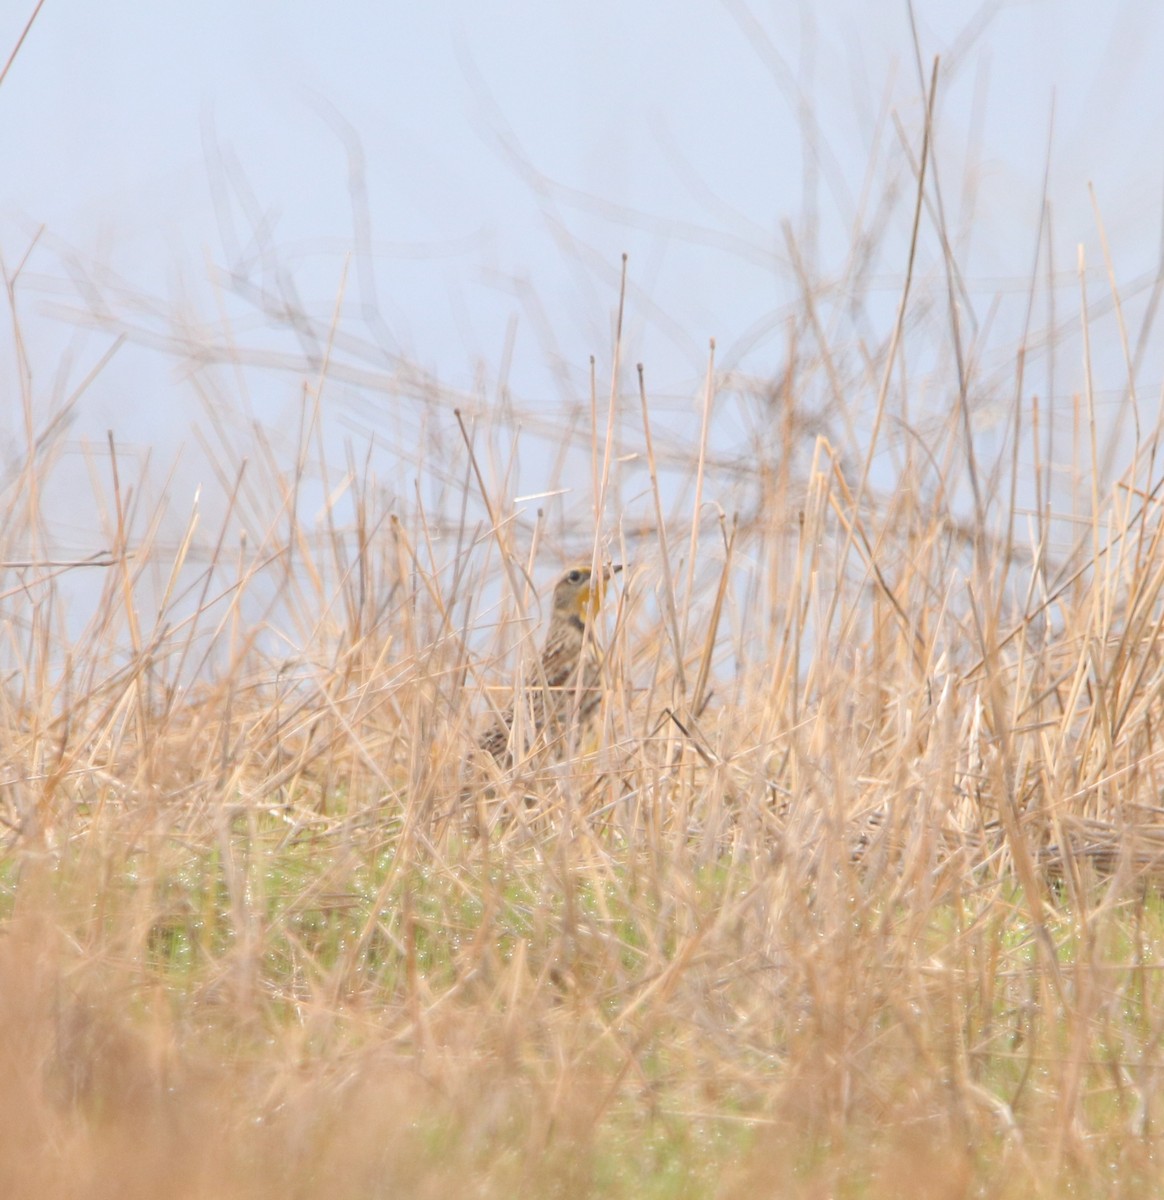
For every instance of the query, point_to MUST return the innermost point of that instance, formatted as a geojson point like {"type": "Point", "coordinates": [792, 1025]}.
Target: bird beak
{"type": "Point", "coordinates": [614, 570]}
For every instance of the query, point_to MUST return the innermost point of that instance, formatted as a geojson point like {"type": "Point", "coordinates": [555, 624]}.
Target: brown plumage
{"type": "Point", "coordinates": [550, 701]}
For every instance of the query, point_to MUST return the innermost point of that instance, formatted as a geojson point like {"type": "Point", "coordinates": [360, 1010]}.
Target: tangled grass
{"type": "Point", "coordinates": [855, 895]}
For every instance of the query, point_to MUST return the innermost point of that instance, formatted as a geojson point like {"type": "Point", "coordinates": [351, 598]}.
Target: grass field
{"type": "Point", "coordinates": [855, 895]}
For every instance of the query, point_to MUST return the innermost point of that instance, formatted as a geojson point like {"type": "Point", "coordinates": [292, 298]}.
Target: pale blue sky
{"type": "Point", "coordinates": [515, 150]}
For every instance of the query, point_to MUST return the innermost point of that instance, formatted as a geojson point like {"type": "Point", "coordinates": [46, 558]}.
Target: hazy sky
{"type": "Point", "coordinates": [512, 152]}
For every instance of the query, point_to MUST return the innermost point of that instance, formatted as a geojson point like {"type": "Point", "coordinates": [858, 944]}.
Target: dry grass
{"type": "Point", "coordinates": [855, 897]}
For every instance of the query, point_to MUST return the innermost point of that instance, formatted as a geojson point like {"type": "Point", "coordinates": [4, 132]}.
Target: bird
{"type": "Point", "coordinates": [557, 698]}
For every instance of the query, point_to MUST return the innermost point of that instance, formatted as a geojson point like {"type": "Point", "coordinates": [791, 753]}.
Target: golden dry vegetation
{"type": "Point", "coordinates": [856, 894]}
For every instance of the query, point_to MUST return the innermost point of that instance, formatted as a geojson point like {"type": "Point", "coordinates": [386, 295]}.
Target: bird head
{"type": "Point", "coordinates": [579, 592]}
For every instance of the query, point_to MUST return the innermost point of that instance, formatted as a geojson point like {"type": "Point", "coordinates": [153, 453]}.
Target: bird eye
{"type": "Point", "coordinates": [575, 576]}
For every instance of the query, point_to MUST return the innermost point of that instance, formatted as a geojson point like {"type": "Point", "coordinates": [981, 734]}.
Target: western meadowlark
{"type": "Point", "coordinates": [558, 699]}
